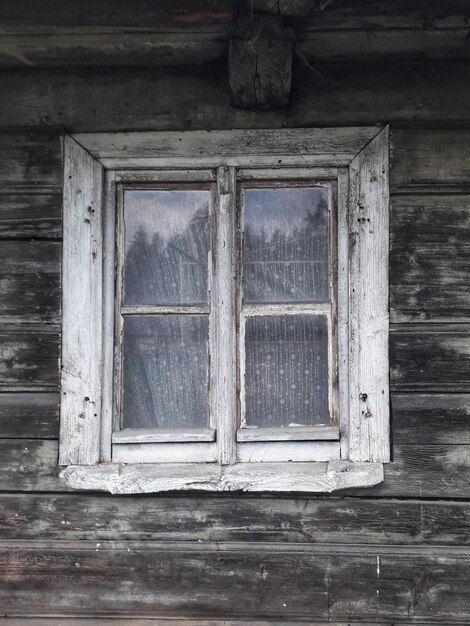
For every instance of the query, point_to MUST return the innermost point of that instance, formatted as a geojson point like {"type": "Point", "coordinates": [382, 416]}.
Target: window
{"type": "Point", "coordinates": [225, 310]}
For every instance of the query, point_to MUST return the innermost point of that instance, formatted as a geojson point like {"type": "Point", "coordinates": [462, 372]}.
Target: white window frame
{"type": "Point", "coordinates": [356, 161]}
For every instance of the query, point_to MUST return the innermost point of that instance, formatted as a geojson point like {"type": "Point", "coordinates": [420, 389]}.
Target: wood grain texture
{"type": "Point", "coordinates": [296, 146]}
{"type": "Point", "coordinates": [190, 33]}
{"type": "Point", "coordinates": [175, 621]}
{"type": "Point", "coordinates": [29, 358]}
{"type": "Point", "coordinates": [25, 215]}
{"type": "Point", "coordinates": [430, 258]}
{"type": "Point", "coordinates": [82, 307]}
{"type": "Point", "coordinates": [30, 282]}
{"type": "Point", "coordinates": [344, 94]}
{"type": "Point", "coordinates": [369, 430]}
{"type": "Point", "coordinates": [421, 419]}
{"type": "Point", "coordinates": [430, 358]}
{"type": "Point", "coordinates": [430, 157]}
{"type": "Point", "coordinates": [247, 477]}
{"type": "Point", "coordinates": [361, 582]}
{"type": "Point", "coordinates": [31, 158]}
{"type": "Point", "coordinates": [426, 471]}
{"type": "Point", "coordinates": [231, 517]}
{"type": "Point", "coordinates": [29, 415]}
{"type": "Point", "coordinates": [260, 61]}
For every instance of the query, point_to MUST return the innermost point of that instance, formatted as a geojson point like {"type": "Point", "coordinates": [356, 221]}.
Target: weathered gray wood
{"type": "Point", "coordinates": [236, 580]}
{"type": "Point", "coordinates": [314, 146]}
{"type": "Point", "coordinates": [233, 517]}
{"type": "Point", "coordinates": [168, 435]}
{"type": "Point", "coordinates": [430, 258]}
{"type": "Point", "coordinates": [82, 307]}
{"type": "Point", "coordinates": [91, 621]}
{"type": "Point", "coordinates": [31, 215]}
{"type": "Point", "coordinates": [368, 302]}
{"type": "Point", "coordinates": [31, 158]}
{"type": "Point", "coordinates": [430, 157]}
{"type": "Point", "coordinates": [29, 465]}
{"type": "Point", "coordinates": [431, 419]}
{"type": "Point", "coordinates": [430, 358]}
{"type": "Point", "coordinates": [30, 282]}
{"type": "Point", "coordinates": [101, 100]}
{"type": "Point", "coordinates": [29, 358]}
{"type": "Point", "coordinates": [430, 471]}
{"type": "Point", "coordinates": [223, 324]}
{"type": "Point", "coordinates": [260, 61]}
{"type": "Point", "coordinates": [249, 477]}
{"type": "Point", "coordinates": [29, 415]}
{"type": "Point", "coordinates": [190, 34]}
{"type": "Point", "coordinates": [294, 433]}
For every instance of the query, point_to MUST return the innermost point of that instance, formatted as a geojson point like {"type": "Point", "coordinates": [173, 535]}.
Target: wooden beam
{"type": "Point", "coordinates": [260, 62]}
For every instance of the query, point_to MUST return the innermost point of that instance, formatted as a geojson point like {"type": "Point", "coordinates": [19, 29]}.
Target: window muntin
{"type": "Point", "coordinates": [284, 262]}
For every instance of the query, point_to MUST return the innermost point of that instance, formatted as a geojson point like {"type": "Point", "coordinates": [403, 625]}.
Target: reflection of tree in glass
{"type": "Point", "coordinates": [172, 271]}
{"type": "Point", "coordinates": [286, 259]}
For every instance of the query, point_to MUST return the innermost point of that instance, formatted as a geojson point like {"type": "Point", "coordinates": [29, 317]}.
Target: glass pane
{"type": "Point", "coordinates": [166, 247]}
{"type": "Point", "coordinates": [286, 245]}
{"type": "Point", "coordinates": [286, 377]}
{"type": "Point", "coordinates": [165, 371]}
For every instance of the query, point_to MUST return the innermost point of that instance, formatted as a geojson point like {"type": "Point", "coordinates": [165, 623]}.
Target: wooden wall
{"type": "Point", "coordinates": [397, 553]}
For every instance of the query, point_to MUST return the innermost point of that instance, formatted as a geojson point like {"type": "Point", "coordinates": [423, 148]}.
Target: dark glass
{"type": "Point", "coordinates": [165, 371]}
{"type": "Point", "coordinates": [286, 376]}
{"type": "Point", "coordinates": [286, 245]}
{"type": "Point", "coordinates": [166, 240]}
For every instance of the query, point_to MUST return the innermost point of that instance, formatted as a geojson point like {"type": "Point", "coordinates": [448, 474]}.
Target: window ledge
{"type": "Point", "coordinates": [281, 477]}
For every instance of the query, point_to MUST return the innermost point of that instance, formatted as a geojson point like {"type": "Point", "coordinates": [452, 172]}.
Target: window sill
{"type": "Point", "coordinates": [261, 477]}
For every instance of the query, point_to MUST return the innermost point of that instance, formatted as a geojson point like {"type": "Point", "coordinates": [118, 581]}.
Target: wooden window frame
{"type": "Point", "coordinates": [357, 161]}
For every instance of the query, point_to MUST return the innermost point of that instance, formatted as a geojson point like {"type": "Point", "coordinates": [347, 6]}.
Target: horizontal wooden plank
{"type": "Point", "coordinates": [31, 158]}
{"type": "Point", "coordinates": [234, 518]}
{"type": "Point", "coordinates": [29, 415]}
{"type": "Point", "coordinates": [24, 15]}
{"type": "Point", "coordinates": [29, 358]}
{"type": "Point", "coordinates": [420, 419]}
{"type": "Point", "coordinates": [430, 358]}
{"type": "Point", "coordinates": [428, 471]}
{"type": "Point", "coordinates": [175, 621]}
{"type": "Point", "coordinates": [429, 157]}
{"type": "Point", "coordinates": [293, 433]}
{"type": "Point", "coordinates": [29, 465]}
{"type": "Point", "coordinates": [99, 99]}
{"type": "Point", "coordinates": [31, 215]}
{"type": "Point", "coordinates": [330, 146]}
{"type": "Point", "coordinates": [163, 435]}
{"type": "Point", "coordinates": [224, 580]}
{"type": "Point", "coordinates": [30, 282]}
{"type": "Point", "coordinates": [430, 258]}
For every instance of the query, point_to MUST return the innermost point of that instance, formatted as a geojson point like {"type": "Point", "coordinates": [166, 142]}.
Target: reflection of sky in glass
{"type": "Point", "coordinates": [163, 212]}
{"type": "Point", "coordinates": [286, 245]}
{"type": "Point", "coordinates": [166, 247]}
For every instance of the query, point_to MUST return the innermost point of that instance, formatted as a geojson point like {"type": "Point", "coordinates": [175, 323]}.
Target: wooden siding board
{"type": "Point", "coordinates": [430, 157]}
{"type": "Point", "coordinates": [234, 518]}
{"type": "Point", "coordinates": [431, 419]}
{"type": "Point", "coordinates": [430, 358]}
{"type": "Point", "coordinates": [427, 471]}
{"type": "Point", "coordinates": [29, 415]}
{"type": "Point", "coordinates": [235, 580]}
{"type": "Point", "coordinates": [31, 215]}
{"type": "Point", "coordinates": [430, 258]}
{"type": "Point", "coordinates": [30, 282]}
{"type": "Point", "coordinates": [32, 157]}
{"type": "Point", "coordinates": [29, 358]}
{"type": "Point", "coordinates": [344, 94]}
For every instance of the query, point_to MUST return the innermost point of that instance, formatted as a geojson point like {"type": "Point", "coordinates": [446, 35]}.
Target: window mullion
{"type": "Point", "coordinates": [223, 327]}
